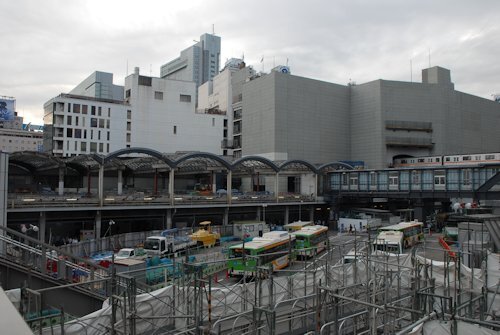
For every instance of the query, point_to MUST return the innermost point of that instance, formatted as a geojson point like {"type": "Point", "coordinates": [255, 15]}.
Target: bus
{"type": "Point", "coordinates": [275, 247]}
{"type": "Point", "coordinates": [297, 225]}
{"type": "Point", "coordinates": [310, 240]}
{"type": "Point", "coordinates": [398, 237]}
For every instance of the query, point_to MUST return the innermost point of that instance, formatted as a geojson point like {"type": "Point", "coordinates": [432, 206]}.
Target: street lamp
{"type": "Point", "coordinates": [110, 223]}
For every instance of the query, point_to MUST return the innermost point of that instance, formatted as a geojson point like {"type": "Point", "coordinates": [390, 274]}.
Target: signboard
{"type": "Point", "coordinates": [7, 109]}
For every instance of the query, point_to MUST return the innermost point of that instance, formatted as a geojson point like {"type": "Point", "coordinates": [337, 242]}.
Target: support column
{"type": "Point", "coordinates": [226, 216]}
{"type": "Point", "coordinates": [316, 187]}
{"type": "Point", "coordinates": [61, 181]}
{"type": "Point", "coordinates": [101, 184]}
{"type": "Point", "coordinates": [97, 228]}
{"type": "Point", "coordinates": [41, 227]}
{"type": "Point", "coordinates": [287, 214]}
{"type": "Point", "coordinates": [89, 177]}
{"type": "Point", "coordinates": [258, 215]}
{"type": "Point", "coordinates": [155, 188]}
{"type": "Point", "coordinates": [4, 184]}
{"type": "Point", "coordinates": [214, 182]}
{"type": "Point", "coordinates": [229, 186]}
{"type": "Point", "coordinates": [171, 176]}
{"type": "Point", "coordinates": [120, 182]}
{"type": "Point", "coordinates": [311, 213]}
{"type": "Point", "coordinates": [277, 186]}
{"type": "Point", "coordinates": [169, 219]}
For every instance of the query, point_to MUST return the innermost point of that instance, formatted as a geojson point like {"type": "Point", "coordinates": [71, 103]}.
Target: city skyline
{"type": "Point", "coordinates": [50, 49]}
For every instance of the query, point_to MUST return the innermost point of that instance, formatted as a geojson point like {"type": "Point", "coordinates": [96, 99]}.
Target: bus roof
{"type": "Point", "coordinates": [204, 223]}
{"type": "Point", "coordinates": [268, 239]}
{"type": "Point", "coordinates": [389, 237]}
{"type": "Point", "coordinates": [402, 225]}
{"type": "Point", "coordinates": [310, 230]}
{"type": "Point", "coordinates": [298, 224]}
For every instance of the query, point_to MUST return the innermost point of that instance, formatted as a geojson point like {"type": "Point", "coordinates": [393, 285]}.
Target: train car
{"type": "Point", "coordinates": [273, 248]}
{"type": "Point", "coordinates": [471, 159]}
{"type": "Point", "coordinates": [448, 160]}
{"type": "Point", "coordinates": [418, 161]}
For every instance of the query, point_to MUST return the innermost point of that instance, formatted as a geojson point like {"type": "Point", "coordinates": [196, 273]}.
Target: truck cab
{"type": "Point", "coordinates": [156, 246]}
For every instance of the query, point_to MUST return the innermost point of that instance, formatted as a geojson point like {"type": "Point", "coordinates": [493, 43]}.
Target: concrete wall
{"type": "Point", "coordinates": [153, 120]}
{"type": "Point", "coordinates": [290, 117]}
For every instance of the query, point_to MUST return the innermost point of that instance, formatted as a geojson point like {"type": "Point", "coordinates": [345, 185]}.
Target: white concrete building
{"type": "Point", "coordinates": [220, 94]}
{"type": "Point", "coordinates": [12, 135]}
{"type": "Point", "coordinates": [164, 118]}
{"type": "Point", "coordinates": [12, 140]}
{"type": "Point", "coordinates": [75, 124]}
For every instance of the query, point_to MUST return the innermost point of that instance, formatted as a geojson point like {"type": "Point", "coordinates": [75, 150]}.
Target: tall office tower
{"type": "Point", "coordinates": [199, 63]}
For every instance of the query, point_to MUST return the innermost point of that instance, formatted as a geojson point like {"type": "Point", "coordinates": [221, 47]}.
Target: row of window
{"type": "Point", "coordinates": [21, 141]}
{"type": "Point", "coordinates": [82, 133]}
{"type": "Point", "coordinates": [83, 109]}
{"type": "Point", "coordinates": [94, 122]}
{"type": "Point", "coordinates": [94, 146]}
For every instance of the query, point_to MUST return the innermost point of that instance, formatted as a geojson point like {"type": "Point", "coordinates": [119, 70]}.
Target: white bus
{"type": "Point", "coordinates": [398, 237]}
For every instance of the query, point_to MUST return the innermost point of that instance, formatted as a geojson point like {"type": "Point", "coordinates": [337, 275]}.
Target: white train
{"type": "Point", "coordinates": [452, 160]}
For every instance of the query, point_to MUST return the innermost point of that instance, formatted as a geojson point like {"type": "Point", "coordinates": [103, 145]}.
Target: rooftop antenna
{"type": "Point", "coordinates": [411, 71]}
{"type": "Point", "coordinates": [287, 61]}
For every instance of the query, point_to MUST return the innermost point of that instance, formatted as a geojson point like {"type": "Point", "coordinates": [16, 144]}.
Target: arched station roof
{"type": "Point", "coordinates": [143, 160]}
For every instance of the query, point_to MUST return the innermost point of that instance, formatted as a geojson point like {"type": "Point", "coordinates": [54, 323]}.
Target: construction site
{"type": "Point", "coordinates": [347, 289]}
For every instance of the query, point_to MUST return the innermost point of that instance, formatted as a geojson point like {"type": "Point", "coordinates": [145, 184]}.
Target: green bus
{"type": "Point", "coordinates": [310, 240]}
{"type": "Point", "coordinates": [272, 248]}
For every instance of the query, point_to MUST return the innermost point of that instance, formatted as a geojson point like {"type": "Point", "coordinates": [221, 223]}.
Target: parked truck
{"type": "Point", "coordinates": [161, 246]}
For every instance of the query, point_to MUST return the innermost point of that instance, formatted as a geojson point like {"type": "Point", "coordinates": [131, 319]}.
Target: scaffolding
{"type": "Point", "coordinates": [374, 292]}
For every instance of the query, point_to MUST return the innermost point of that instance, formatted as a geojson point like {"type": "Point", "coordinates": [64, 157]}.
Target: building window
{"type": "Point", "coordinates": [76, 120]}
{"type": "Point", "coordinates": [76, 108]}
{"type": "Point", "coordinates": [101, 123]}
{"type": "Point", "coordinates": [101, 147]}
{"type": "Point", "coordinates": [185, 98]}
{"type": "Point", "coordinates": [92, 110]}
{"type": "Point", "coordinates": [99, 135]}
{"type": "Point", "coordinates": [99, 111]}
{"type": "Point", "coordinates": [91, 134]}
{"type": "Point", "coordinates": [69, 108]}
{"type": "Point", "coordinates": [78, 133]}
{"type": "Point", "coordinates": [129, 114]}
{"type": "Point", "coordinates": [84, 109]}
{"type": "Point", "coordinates": [85, 133]}
{"type": "Point", "coordinates": [128, 137]}
{"type": "Point", "coordinates": [107, 147]}
{"type": "Point", "coordinates": [129, 125]}
{"type": "Point", "coordinates": [109, 112]}
{"type": "Point", "coordinates": [68, 120]}
{"type": "Point", "coordinates": [145, 81]}
{"type": "Point", "coordinates": [107, 137]}
{"type": "Point", "coordinates": [69, 132]}
{"type": "Point", "coordinates": [107, 123]}
{"type": "Point", "coordinates": [158, 95]}
{"type": "Point", "coordinates": [76, 145]}
{"type": "Point", "coordinates": [93, 122]}
{"type": "Point", "coordinates": [83, 121]}
{"type": "Point", "coordinates": [175, 130]}
{"type": "Point", "coordinates": [83, 146]}
{"type": "Point", "coordinates": [225, 122]}
{"type": "Point", "coordinates": [93, 146]}
{"type": "Point", "coordinates": [127, 94]}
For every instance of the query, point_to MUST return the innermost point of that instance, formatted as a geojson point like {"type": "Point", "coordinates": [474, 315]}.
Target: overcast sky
{"type": "Point", "coordinates": [48, 47]}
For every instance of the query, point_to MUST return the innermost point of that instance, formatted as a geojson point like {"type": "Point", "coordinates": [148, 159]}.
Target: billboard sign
{"type": "Point", "coordinates": [7, 109]}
